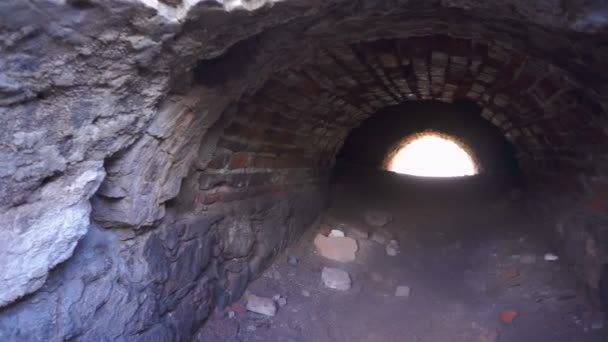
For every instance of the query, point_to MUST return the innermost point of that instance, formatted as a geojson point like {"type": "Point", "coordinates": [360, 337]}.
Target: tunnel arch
{"type": "Point", "coordinates": [157, 144]}
{"type": "Point", "coordinates": [459, 152]}
{"type": "Point", "coordinates": [340, 79]}
{"type": "Point", "coordinates": [383, 133]}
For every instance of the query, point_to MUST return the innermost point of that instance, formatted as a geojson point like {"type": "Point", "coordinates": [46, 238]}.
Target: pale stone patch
{"type": "Point", "coordinates": [262, 305]}
{"type": "Point", "coordinates": [336, 279]}
{"type": "Point", "coordinates": [341, 249]}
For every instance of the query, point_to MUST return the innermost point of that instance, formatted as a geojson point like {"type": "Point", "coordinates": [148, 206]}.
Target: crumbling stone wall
{"type": "Point", "coordinates": [179, 125]}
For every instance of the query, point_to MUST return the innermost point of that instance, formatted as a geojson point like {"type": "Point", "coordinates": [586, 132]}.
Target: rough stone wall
{"type": "Point", "coordinates": [161, 284]}
{"type": "Point", "coordinates": [127, 89]}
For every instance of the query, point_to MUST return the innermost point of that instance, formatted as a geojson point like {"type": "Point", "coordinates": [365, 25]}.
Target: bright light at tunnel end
{"type": "Point", "coordinates": [431, 155]}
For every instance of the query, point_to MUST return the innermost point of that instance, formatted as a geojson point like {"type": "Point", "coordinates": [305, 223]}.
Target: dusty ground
{"type": "Point", "coordinates": [466, 253]}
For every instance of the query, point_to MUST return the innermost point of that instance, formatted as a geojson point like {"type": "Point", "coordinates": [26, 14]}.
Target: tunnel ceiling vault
{"type": "Point", "coordinates": [106, 90]}
{"type": "Point", "coordinates": [295, 82]}
{"type": "Point", "coordinates": [537, 106]}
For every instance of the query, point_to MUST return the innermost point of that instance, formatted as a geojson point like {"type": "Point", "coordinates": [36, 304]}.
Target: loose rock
{"type": "Point", "coordinates": [336, 233]}
{"type": "Point", "coordinates": [262, 305]}
{"type": "Point", "coordinates": [551, 257]}
{"type": "Point", "coordinates": [282, 301]}
{"type": "Point", "coordinates": [335, 278]}
{"type": "Point", "coordinates": [508, 316]}
{"type": "Point", "coordinates": [402, 291]}
{"type": "Point", "coordinates": [340, 249]}
{"type": "Point", "coordinates": [292, 260]}
{"type": "Point", "coordinates": [392, 248]}
{"type": "Point", "coordinates": [378, 218]}
{"type": "Point", "coordinates": [305, 293]}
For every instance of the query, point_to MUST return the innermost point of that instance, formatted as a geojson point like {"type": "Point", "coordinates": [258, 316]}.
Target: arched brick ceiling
{"type": "Point", "coordinates": [308, 110]}
{"type": "Point", "coordinates": [306, 72]}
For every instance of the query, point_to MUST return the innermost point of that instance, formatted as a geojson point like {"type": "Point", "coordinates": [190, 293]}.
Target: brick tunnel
{"type": "Point", "coordinates": [161, 158]}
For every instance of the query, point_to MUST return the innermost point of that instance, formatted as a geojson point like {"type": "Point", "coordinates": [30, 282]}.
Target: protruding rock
{"type": "Point", "coordinates": [335, 278]}
{"type": "Point", "coordinates": [378, 218]}
{"type": "Point", "coordinates": [262, 305]}
{"type": "Point", "coordinates": [340, 249]}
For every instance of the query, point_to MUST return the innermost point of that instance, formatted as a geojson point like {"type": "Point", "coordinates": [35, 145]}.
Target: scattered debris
{"type": "Point", "coordinates": [262, 305]}
{"type": "Point", "coordinates": [378, 218]}
{"type": "Point", "coordinates": [292, 260]}
{"type": "Point", "coordinates": [340, 249]}
{"type": "Point", "coordinates": [402, 291]}
{"type": "Point", "coordinates": [282, 301]}
{"type": "Point", "coordinates": [305, 293]}
{"type": "Point", "coordinates": [231, 314]}
{"type": "Point", "coordinates": [335, 278]}
{"type": "Point", "coordinates": [527, 259]}
{"type": "Point", "coordinates": [508, 316]}
{"type": "Point", "coordinates": [392, 248]}
{"type": "Point", "coordinates": [551, 257]}
{"type": "Point", "coordinates": [336, 233]}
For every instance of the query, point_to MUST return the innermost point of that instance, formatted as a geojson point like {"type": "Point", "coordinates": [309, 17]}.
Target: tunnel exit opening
{"type": "Point", "coordinates": [432, 154]}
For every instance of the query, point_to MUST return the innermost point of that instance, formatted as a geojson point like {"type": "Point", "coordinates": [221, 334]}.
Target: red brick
{"type": "Point", "coordinates": [219, 162]}
{"type": "Point", "coordinates": [264, 162]}
{"type": "Point", "coordinates": [239, 160]}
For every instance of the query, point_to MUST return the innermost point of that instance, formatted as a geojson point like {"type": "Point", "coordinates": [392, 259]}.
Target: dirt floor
{"type": "Point", "coordinates": [473, 260]}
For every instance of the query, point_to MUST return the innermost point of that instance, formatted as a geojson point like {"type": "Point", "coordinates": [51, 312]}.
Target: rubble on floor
{"type": "Point", "coordinates": [551, 257]}
{"type": "Point", "coordinates": [261, 305]}
{"type": "Point", "coordinates": [334, 233]}
{"type": "Point", "coordinates": [402, 291]}
{"type": "Point", "coordinates": [341, 249]}
{"type": "Point", "coordinates": [335, 278]}
{"type": "Point", "coordinates": [280, 300]}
